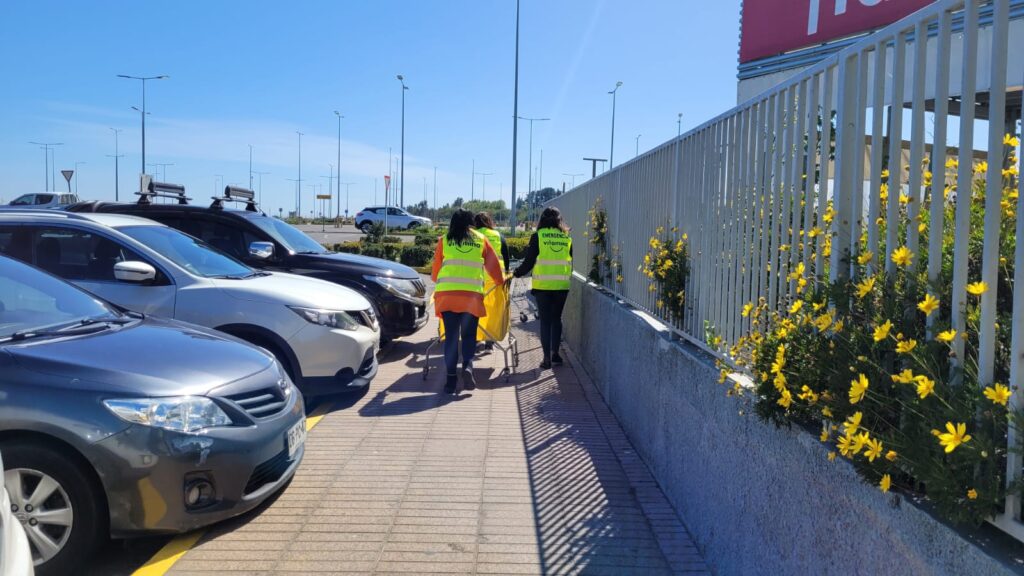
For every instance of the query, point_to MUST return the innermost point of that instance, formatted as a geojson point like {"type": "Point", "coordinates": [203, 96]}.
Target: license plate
{"type": "Point", "coordinates": [296, 437]}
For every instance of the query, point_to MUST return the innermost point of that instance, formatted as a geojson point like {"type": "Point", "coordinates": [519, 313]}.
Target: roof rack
{"type": "Point", "coordinates": [236, 194]}
{"type": "Point", "coordinates": [162, 190]}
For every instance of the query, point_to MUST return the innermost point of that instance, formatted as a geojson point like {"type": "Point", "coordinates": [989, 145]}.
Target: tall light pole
{"type": "Point", "coordinates": [117, 171]}
{"type": "Point", "coordinates": [338, 204]}
{"type": "Point", "coordinates": [573, 176]}
{"type": "Point", "coordinates": [46, 167]}
{"type": "Point", "coordinates": [637, 153]}
{"type": "Point", "coordinates": [401, 176]}
{"type": "Point", "coordinates": [297, 213]}
{"type": "Point", "coordinates": [298, 185]}
{"type": "Point", "coordinates": [260, 174]}
{"type": "Point", "coordinates": [330, 190]}
{"type": "Point", "coordinates": [531, 121]}
{"type": "Point", "coordinates": [143, 111]}
{"type": "Point", "coordinates": [611, 154]}
{"type": "Point", "coordinates": [679, 125]}
{"type": "Point", "coordinates": [347, 184]}
{"type": "Point", "coordinates": [78, 176]}
{"type": "Point", "coordinates": [483, 193]}
{"type": "Point", "coordinates": [250, 166]}
{"type": "Point", "coordinates": [515, 129]}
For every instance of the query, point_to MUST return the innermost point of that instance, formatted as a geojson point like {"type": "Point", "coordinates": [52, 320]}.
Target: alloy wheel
{"type": "Point", "coordinates": [44, 509]}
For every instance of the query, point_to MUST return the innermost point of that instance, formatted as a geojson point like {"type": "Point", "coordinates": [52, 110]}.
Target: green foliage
{"type": "Point", "coordinates": [385, 251]}
{"type": "Point", "coordinates": [375, 234]}
{"type": "Point", "coordinates": [416, 256]}
{"type": "Point", "coordinates": [355, 247]}
{"type": "Point", "coordinates": [667, 266]}
{"type": "Point", "coordinates": [517, 246]}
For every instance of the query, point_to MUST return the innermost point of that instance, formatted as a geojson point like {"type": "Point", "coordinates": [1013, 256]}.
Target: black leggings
{"type": "Point", "coordinates": [549, 306]}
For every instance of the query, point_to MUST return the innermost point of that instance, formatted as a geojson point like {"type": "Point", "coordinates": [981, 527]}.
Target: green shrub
{"type": "Point", "coordinates": [375, 234]}
{"type": "Point", "coordinates": [517, 246]}
{"type": "Point", "coordinates": [354, 247]}
{"type": "Point", "coordinates": [385, 251]}
{"type": "Point", "coordinates": [416, 255]}
{"type": "Point", "coordinates": [381, 240]}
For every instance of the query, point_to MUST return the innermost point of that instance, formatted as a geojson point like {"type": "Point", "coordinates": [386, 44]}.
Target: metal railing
{"type": "Point", "coordinates": [736, 185]}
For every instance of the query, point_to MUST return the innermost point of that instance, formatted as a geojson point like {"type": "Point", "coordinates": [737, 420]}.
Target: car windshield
{"type": "Point", "coordinates": [291, 238]}
{"type": "Point", "coordinates": [25, 200]}
{"type": "Point", "coordinates": [31, 300]}
{"type": "Point", "coordinates": [190, 253]}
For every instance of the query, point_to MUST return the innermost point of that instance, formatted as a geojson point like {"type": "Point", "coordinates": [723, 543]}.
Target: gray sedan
{"type": "Point", "coordinates": [112, 423]}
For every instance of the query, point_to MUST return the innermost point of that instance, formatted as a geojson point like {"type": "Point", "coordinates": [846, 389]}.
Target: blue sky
{"type": "Point", "coordinates": [254, 72]}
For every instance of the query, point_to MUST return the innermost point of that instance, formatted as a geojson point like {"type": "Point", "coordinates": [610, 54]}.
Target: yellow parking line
{"type": "Point", "coordinates": [167, 556]}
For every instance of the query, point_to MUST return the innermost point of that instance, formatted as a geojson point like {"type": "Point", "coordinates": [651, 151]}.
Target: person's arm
{"type": "Point", "coordinates": [491, 264]}
{"type": "Point", "coordinates": [530, 258]}
{"type": "Point", "coordinates": [438, 257]}
{"type": "Point", "coordinates": [504, 251]}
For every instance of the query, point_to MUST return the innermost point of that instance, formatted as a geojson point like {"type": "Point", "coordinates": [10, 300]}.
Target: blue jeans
{"type": "Point", "coordinates": [459, 325]}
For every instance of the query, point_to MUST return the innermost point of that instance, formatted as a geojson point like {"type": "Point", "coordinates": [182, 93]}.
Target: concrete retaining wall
{"type": "Point", "coordinates": [757, 499]}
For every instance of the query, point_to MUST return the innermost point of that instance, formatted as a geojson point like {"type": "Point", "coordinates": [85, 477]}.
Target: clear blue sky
{"type": "Point", "coordinates": [255, 72]}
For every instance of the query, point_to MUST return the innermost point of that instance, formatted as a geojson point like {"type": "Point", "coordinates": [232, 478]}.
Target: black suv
{"type": "Point", "coordinates": [397, 292]}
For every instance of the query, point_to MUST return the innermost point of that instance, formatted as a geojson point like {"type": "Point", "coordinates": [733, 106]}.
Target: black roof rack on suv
{"type": "Point", "coordinates": [162, 190]}
{"type": "Point", "coordinates": [236, 194]}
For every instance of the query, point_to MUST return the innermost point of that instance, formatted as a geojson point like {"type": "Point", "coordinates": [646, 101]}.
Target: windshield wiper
{"type": "Point", "coordinates": [310, 252]}
{"type": "Point", "coordinates": [84, 326]}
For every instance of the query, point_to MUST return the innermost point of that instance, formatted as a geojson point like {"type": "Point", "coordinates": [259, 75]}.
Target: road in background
{"type": "Point", "coordinates": [331, 235]}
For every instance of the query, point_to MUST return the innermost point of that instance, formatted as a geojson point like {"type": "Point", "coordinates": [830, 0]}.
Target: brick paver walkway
{"type": "Point", "coordinates": [526, 477]}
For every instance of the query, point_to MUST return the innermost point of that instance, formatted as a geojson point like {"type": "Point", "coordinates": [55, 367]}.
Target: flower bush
{"type": "Point", "coordinates": [874, 362]}
{"type": "Point", "coordinates": [603, 268]}
{"type": "Point", "coordinates": [667, 266]}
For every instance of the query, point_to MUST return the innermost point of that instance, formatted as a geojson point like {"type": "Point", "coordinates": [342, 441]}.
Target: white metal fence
{"type": "Point", "coordinates": [736, 184]}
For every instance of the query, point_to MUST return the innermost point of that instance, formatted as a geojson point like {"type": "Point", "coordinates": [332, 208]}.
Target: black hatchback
{"type": "Point", "coordinates": [397, 292]}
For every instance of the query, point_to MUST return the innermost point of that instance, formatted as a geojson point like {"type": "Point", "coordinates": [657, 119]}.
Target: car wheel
{"type": "Point", "coordinates": [57, 502]}
{"type": "Point", "coordinates": [366, 226]}
{"type": "Point", "coordinates": [413, 225]}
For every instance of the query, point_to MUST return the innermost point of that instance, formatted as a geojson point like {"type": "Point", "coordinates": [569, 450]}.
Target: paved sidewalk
{"type": "Point", "coordinates": [526, 477]}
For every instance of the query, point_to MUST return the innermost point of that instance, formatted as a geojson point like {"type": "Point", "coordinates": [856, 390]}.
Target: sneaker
{"type": "Point", "coordinates": [545, 363]}
{"type": "Point", "coordinates": [556, 360]}
{"type": "Point", "coordinates": [449, 385]}
{"type": "Point", "coordinates": [468, 381]}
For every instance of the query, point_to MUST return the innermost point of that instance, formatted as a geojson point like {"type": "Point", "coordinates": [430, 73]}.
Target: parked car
{"type": "Point", "coordinates": [325, 335]}
{"type": "Point", "coordinates": [396, 218]}
{"type": "Point", "coordinates": [15, 554]}
{"type": "Point", "coordinates": [398, 295]}
{"type": "Point", "coordinates": [117, 423]}
{"type": "Point", "coordinates": [44, 200]}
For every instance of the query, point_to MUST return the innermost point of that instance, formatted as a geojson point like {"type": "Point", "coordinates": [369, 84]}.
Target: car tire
{"type": "Point", "coordinates": [413, 225]}
{"type": "Point", "coordinates": [365, 226]}
{"type": "Point", "coordinates": [28, 462]}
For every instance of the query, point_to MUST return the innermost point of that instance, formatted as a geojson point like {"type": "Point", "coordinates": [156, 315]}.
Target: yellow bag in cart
{"type": "Point", "coordinates": [495, 326]}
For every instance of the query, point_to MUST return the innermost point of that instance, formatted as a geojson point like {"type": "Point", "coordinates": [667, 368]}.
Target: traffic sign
{"type": "Point", "coordinates": [67, 174]}
{"type": "Point", "coordinates": [323, 196]}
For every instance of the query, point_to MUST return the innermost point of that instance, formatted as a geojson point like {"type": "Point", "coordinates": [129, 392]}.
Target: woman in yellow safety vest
{"type": "Point", "coordinates": [484, 224]}
{"type": "Point", "coordinates": [549, 256]}
{"type": "Point", "coordinates": [462, 260]}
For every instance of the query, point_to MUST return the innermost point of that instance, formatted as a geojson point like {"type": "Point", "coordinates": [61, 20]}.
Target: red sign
{"type": "Point", "coordinates": [387, 183]}
{"type": "Point", "coordinates": [772, 27]}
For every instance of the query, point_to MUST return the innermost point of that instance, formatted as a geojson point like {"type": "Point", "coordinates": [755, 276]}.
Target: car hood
{"type": "Point", "coordinates": [149, 358]}
{"type": "Point", "coordinates": [294, 290]}
{"type": "Point", "coordinates": [355, 263]}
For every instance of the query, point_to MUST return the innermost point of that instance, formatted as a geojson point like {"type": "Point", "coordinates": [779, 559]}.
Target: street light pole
{"type": "Point", "coordinates": [515, 129]}
{"type": "Point", "coordinates": [531, 121]}
{"type": "Point", "coordinates": [402, 174]}
{"type": "Point", "coordinates": [298, 186]}
{"type": "Point", "coordinates": [679, 125]}
{"type": "Point", "coordinates": [483, 193]}
{"type": "Point", "coordinates": [117, 170]}
{"type": "Point", "coordinates": [260, 174]}
{"type": "Point", "coordinates": [347, 184]}
{"type": "Point", "coordinates": [143, 80]}
{"type": "Point", "coordinates": [338, 212]}
{"type": "Point", "coordinates": [78, 176]}
{"type": "Point", "coordinates": [611, 154]}
{"type": "Point", "coordinates": [46, 167]}
{"type": "Point", "coordinates": [573, 176]}
{"type": "Point", "coordinates": [637, 153]}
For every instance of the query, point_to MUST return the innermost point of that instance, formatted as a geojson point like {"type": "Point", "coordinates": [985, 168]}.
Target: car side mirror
{"type": "Point", "coordinates": [261, 250]}
{"type": "Point", "coordinates": [134, 271]}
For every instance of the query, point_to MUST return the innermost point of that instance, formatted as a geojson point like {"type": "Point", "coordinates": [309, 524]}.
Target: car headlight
{"type": "Point", "coordinates": [405, 289]}
{"type": "Point", "coordinates": [178, 413]}
{"type": "Point", "coordinates": [329, 318]}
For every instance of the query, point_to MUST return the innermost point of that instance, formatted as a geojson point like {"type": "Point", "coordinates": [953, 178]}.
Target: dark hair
{"type": "Point", "coordinates": [458, 228]}
{"type": "Point", "coordinates": [551, 218]}
{"type": "Point", "coordinates": [483, 220]}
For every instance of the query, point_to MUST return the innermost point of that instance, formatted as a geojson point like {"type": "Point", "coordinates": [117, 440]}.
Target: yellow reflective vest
{"type": "Point", "coordinates": [553, 269]}
{"type": "Point", "coordinates": [494, 239]}
{"type": "Point", "coordinates": [462, 269]}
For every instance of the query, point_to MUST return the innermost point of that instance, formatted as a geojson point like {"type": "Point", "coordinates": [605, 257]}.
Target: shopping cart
{"type": "Point", "coordinates": [521, 298]}
{"type": "Point", "coordinates": [493, 328]}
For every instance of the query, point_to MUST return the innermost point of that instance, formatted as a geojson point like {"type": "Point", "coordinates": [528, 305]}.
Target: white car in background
{"type": "Point", "coordinates": [393, 216]}
{"type": "Point", "coordinates": [44, 200]}
{"type": "Point", "coordinates": [15, 554]}
{"type": "Point", "coordinates": [325, 335]}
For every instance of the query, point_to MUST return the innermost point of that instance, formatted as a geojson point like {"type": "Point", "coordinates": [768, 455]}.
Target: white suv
{"type": "Point", "coordinates": [325, 335]}
{"type": "Point", "coordinates": [44, 200]}
{"type": "Point", "coordinates": [391, 216]}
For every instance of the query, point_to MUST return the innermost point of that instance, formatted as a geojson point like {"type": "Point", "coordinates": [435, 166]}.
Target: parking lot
{"type": "Point", "coordinates": [528, 476]}
{"type": "Point", "coordinates": [329, 235]}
